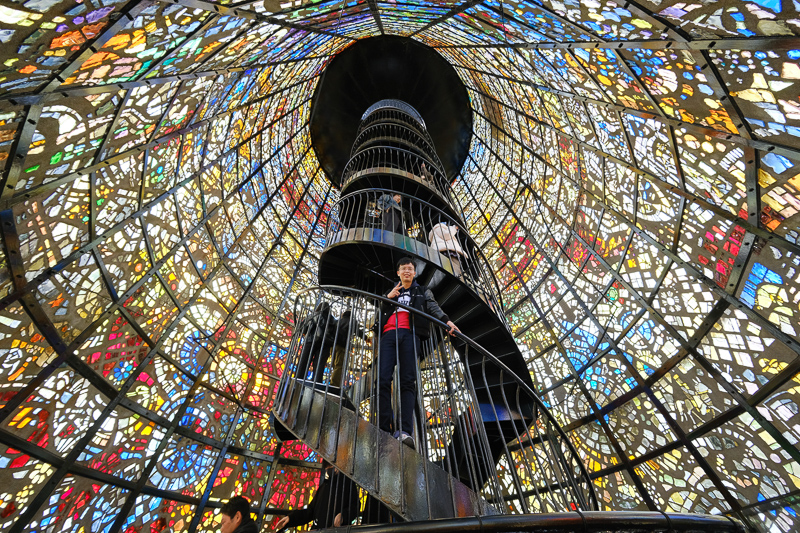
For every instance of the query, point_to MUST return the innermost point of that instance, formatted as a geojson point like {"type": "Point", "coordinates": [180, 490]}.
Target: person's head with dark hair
{"type": "Point", "coordinates": [406, 261]}
{"type": "Point", "coordinates": [236, 515]}
{"type": "Point", "coordinates": [406, 272]}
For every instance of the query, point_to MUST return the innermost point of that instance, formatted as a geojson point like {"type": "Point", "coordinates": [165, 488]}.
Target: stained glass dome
{"type": "Point", "coordinates": [630, 178]}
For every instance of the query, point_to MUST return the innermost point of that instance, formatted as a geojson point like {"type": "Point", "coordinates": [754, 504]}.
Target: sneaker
{"type": "Point", "coordinates": [407, 439]}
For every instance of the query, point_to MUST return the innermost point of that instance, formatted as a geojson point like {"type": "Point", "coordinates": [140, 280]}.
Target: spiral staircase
{"type": "Point", "coordinates": [486, 445]}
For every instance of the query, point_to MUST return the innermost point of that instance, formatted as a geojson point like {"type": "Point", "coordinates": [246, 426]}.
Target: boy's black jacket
{"type": "Point", "coordinates": [421, 299]}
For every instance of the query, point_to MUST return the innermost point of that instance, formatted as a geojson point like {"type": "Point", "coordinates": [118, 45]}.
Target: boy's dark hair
{"type": "Point", "coordinates": [406, 261]}
{"type": "Point", "coordinates": [237, 504]}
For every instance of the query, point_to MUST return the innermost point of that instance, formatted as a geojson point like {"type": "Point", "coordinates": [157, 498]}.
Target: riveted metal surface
{"type": "Point", "coordinates": [395, 474]}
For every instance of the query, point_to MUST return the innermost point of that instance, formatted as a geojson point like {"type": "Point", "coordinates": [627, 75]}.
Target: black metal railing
{"type": "Point", "coordinates": [433, 235]}
{"type": "Point", "coordinates": [391, 113]}
{"type": "Point", "coordinates": [402, 136]}
{"type": "Point", "coordinates": [391, 161]}
{"type": "Point", "coordinates": [393, 105]}
{"type": "Point", "coordinates": [577, 522]}
{"type": "Point", "coordinates": [476, 422]}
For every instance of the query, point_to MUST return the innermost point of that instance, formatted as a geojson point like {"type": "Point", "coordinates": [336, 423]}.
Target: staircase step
{"type": "Point", "coordinates": [398, 476]}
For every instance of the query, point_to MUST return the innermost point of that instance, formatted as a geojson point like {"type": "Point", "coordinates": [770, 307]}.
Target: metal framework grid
{"type": "Point", "coordinates": [632, 181]}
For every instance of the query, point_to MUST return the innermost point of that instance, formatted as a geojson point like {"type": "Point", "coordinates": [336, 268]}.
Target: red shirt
{"type": "Point", "coordinates": [400, 318]}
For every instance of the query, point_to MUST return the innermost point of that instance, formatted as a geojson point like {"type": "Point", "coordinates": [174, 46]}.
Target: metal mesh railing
{"type": "Point", "coordinates": [391, 161]}
{"type": "Point", "coordinates": [437, 237]}
{"type": "Point", "coordinates": [400, 134]}
{"type": "Point", "coordinates": [474, 419]}
{"type": "Point", "coordinates": [393, 109]}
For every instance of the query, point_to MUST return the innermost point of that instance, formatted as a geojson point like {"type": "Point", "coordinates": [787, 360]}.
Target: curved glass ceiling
{"type": "Point", "coordinates": [633, 178]}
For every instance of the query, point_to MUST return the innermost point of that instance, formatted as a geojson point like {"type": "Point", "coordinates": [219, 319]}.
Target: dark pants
{"type": "Point", "coordinates": [403, 347]}
{"type": "Point", "coordinates": [393, 221]}
{"type": "Point", "coordinates": [339, 354]}
{"type": "Point", "coordinates": [316, 354]}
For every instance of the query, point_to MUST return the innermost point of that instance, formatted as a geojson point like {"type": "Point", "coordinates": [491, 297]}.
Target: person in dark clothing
{"type": "Point", "coordinates": [317, 328]}
{"type": "Point", "coordinates": [324, 332]}
{"type": "Point", "coordinates": [400, 345]}
{"type": "Point", "coordinates": [343, 333]}
{"type": "Point", "coordinates": [391, 213]}
{"type": "Point", "coordinates": [335, 504]}
{"type": "Point", "coordinates": [236, 516]}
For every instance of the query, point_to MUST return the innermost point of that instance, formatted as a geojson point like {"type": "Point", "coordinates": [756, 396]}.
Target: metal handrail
{"type": "Point", "coordinates": [395, 157]}
{"type": "Point", "coordinates": [375, 130]}
{"type": "Point", "coordinates": [578, 522]}
{"type": "Point", "coordinates": [391, 118]}
{"type": "Point", "coordinates": [392, 113]}
{"type": "Point", "coordinates": [355, 210]}
{"type": "Point", "coordinates": [433, 187]}
{"type": "Point", "coordinates": [394, 104]}
{"type": "Point", "coordinates": [558, 476]}
{"type": "Point", "coordinates": [360, 153]}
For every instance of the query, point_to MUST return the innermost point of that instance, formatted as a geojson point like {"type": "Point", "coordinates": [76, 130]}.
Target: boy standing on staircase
{"type": "Point", "coordinates": [400, 345]}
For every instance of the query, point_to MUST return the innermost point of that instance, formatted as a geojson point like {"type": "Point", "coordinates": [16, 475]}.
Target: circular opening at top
{"type": "Point", "coordinates": [384, 68]}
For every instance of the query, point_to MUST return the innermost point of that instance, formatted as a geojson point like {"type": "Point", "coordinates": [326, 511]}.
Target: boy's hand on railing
{"type": "Point", "coordinates": [453, 327]}
{"type": "Point", "coordinates": [282, 523]}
